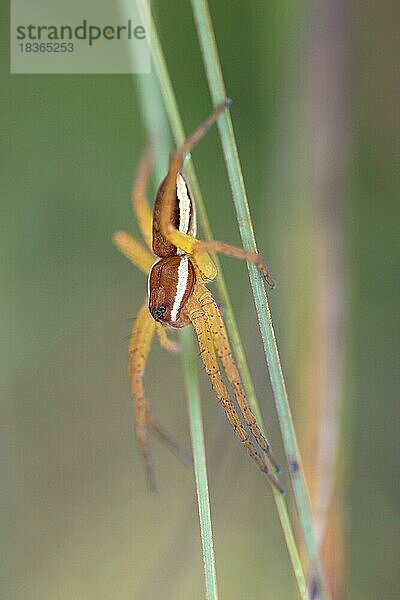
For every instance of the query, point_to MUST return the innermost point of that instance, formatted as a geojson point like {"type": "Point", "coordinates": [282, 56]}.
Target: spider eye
{"type": "Point", "coordinates": [158, 313]}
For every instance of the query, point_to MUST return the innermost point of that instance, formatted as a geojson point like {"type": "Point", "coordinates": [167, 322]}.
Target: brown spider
{"type": "Point", "coordinates": [179, 266]}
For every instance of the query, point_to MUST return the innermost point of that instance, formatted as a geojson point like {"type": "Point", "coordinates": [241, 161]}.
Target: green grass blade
{"type": "Point", "coordinates": [200, 469]}
{"type": "Point", "coordinates": [218, 94]}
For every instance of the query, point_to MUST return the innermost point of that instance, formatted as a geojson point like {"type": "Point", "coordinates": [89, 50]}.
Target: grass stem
{"type": "Point", "coordinates": [200, 469]}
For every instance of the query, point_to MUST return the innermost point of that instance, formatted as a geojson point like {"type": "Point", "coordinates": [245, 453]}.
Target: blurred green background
{"type": "Point", "coordinates": [77, 519]}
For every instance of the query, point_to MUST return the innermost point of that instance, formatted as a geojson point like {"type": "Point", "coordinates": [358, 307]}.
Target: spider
{"type": "Point", "coordinates": [179, 267]}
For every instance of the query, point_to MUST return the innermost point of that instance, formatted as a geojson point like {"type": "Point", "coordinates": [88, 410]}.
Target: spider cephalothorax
{"type": "Point", "coordinates": [178, 296]}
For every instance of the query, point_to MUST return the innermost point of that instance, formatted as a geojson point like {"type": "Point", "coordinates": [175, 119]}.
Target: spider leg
{"type": "Point", "coordinates": [140, 203]}
{"type": "Point", "coordinates": [207, 349]}
{"type": "Point", "coordinates": [200, 132]}
{"type": "Point", "coordinates": [142, 335]}
{"type": "Point", "coordinates": [235, 252]}
{"type": "Point", "coordinates": [139, 346]}
{"type": "Point", "coordinates": [134, 250]}
{"type": "Point", "coordinates": [190, 245]}
{"type": "Point", "coordinates": [164, 340]}
{"type": "Point", "coordinates": [223, 348]}
{"type": "Point", "coordinates": [184, 456]}
{"type": "Point", "coordinates": [179, 239]}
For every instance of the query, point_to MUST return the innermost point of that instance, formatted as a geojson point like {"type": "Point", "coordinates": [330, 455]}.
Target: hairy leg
{"type": "Point", "coordinates": [139, 347]}
{"type": "Point", "coordinates": [164, 340]}
{"type": "Point", "coordinates": [222, 248]}
{"type": "Point", "coordinates": [142, 335]}
{"type": "Point", "coordinates": [209, 358]}
{"type": "Point", "coordinates": [134, 250]}
{"type": "Point", "coordinates": [140, 203]}
{"type": "Point", "coordinates": [223, 348]}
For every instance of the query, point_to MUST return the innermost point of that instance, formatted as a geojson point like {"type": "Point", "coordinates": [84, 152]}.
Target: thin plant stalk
{"type": "Point", "coordinates": [179, 136]}
{"type": "Point", "coordinates": [200, 468]}
{"type": "Point", "coordinates": [218, 93]}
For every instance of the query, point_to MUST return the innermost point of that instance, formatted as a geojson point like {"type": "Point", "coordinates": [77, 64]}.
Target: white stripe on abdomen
{"type": "Point", "coordinates": [181, 285]}
{"type": "Point", "coordinates": [184, 206]}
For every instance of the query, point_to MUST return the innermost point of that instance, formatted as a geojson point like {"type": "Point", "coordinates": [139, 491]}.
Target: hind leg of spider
{"type": "Point", "coordinates": [138, 254]}
{"type": "Point", "coordinates": [208, 354]}
{"type": "Point", "coordinates": [140, 204]}
{"type": "Point", "coordinates": [139, 347]}
{"type": "Point", "coordinates": [223, 348]}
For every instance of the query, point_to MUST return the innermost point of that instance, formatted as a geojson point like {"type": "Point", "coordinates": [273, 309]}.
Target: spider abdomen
{"type": "Point", "coordinates": [182, 218]}
{"type": "Point", "coordinates": [171, 283]}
